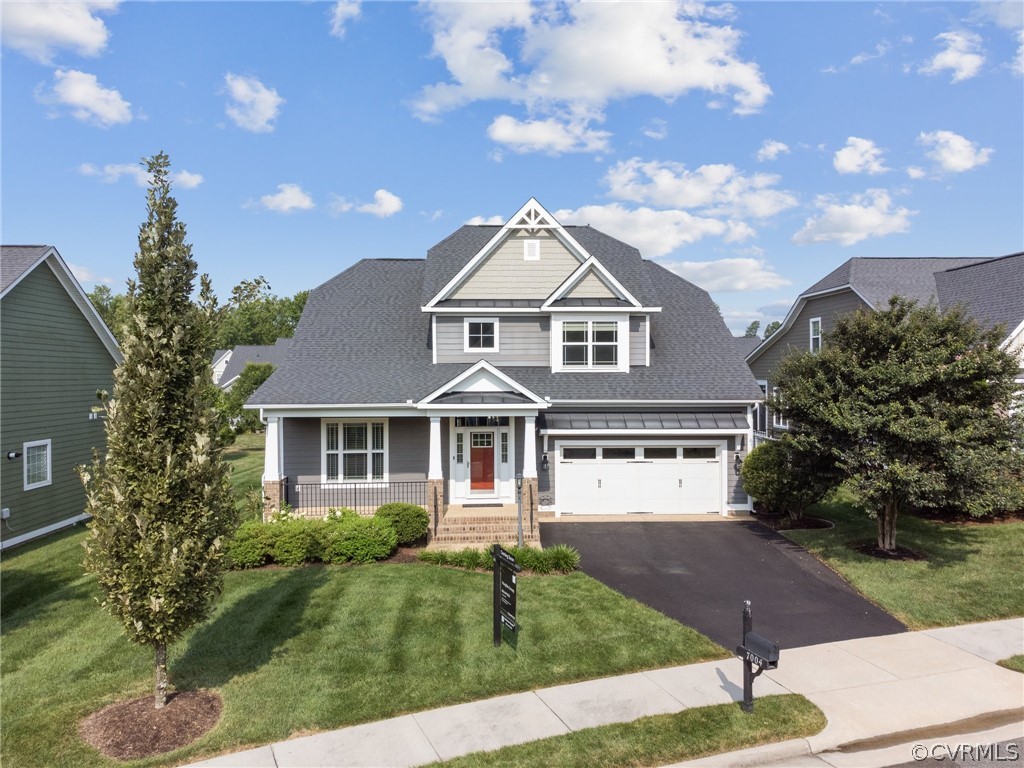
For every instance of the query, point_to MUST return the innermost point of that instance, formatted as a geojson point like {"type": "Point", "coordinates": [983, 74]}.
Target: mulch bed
{"type": "Point", "coordinates": [129, 730]}
{"type": "Point", "coordinates": [404, 555]}
{"type": "Point", "coordinates": [871, 549]}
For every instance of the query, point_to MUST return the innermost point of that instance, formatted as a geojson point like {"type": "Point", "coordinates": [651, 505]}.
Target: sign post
{"type": "Point", "coordinates": [505, 570]}
{"type": "Point", "coordinates": [519, 505]}
{"type": "Point", "coordinates": [758, 651]}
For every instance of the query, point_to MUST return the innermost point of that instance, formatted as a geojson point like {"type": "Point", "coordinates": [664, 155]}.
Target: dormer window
{"type": "Point", "coordinates": [591, 344]}
{"type": "Point", "coordinates": [480, 334]}
{"type": "Point", "coordinates": [531, 250]}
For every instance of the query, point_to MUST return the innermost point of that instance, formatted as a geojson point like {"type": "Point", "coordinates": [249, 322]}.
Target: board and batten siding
{"type": "Point", "coordinates": [798, 336]}
{"type": "Point", "coordinates": [522, 340]}
{"type": "Point", "coordinates": [53, 364]}
{"type": "Point", "coordinates": [505, 274]}
{"type": "Point", "coordinates": [408, 449]}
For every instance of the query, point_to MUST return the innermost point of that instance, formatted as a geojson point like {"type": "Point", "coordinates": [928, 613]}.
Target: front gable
{"type": "Point", "coordinates": [482, 384]}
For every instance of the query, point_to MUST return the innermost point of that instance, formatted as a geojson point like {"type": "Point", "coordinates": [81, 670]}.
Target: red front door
{"type": "Point", "coordinates": [481, 461]}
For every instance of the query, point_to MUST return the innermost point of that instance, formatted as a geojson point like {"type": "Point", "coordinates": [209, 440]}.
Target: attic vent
{"type": "Point", "coordinates": [531, 250]}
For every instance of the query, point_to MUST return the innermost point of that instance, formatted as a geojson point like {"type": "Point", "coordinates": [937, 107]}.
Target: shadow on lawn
{"type": "Point", "coordinates": [245, 635]}
{"type": "Point", "coordinates": [28, 593]}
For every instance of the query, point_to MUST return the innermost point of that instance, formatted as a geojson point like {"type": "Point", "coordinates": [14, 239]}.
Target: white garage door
{"type": "Point", "coordinates": [618, 479]}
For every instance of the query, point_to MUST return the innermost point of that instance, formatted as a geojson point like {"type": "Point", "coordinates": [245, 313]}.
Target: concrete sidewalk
{"type": "Point", "coordinates": [868, 688]}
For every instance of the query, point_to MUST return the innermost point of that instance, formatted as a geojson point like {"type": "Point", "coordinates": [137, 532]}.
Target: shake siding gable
{"type": "Point", "coordinates": [524, 341]}
{"type": "Point", "coordinates": [505, 274]}
{"type": "Point", "coordinates": [53, 364]}
{"type": "Point", "coordinates": [591, 287]}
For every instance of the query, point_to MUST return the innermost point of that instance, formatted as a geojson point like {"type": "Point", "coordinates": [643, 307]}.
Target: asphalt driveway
{"type": "Point", "coordinates": [700, 572]}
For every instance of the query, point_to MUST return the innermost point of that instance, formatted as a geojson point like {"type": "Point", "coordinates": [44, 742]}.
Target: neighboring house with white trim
{"type": "Point", "coordinates": [991, 291]}
{"type": "Point", "coordinates": [556, 352]}
{"type": "Point", "coordinates": [228, 364]}
{"type": "Point", "coordinates": [55, 353]}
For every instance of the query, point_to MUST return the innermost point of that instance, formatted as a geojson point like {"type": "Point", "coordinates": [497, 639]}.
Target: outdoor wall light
{"type": "Point", "coordinates": [544, 462]}
{"type": "Point", "coordinates": [12, 455]}
{"type": "Point", "coordinates": [519, 481]}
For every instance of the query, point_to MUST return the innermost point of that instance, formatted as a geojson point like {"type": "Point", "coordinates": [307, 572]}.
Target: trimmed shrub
{"type": "Point", "coordinates": [295, 541]}
{"type": "Point", "coordinates": [409, 521]}
{"type": "Point", "coordinates": [556, 559]}
{"type": "Point", "coordinates": [250, 546]}
{"type": "Point", "coordinates": [786, 480]}
{"type": "Point", "coordinates": [359, 540]}
{"type": "Point", "coordinates": [563, 558]}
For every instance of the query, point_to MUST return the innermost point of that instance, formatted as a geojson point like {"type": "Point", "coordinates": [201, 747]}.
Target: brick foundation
{"type": "Point", "coordinates": [436, 507]}
{"type": "Point", "coordinates": [272, 497]}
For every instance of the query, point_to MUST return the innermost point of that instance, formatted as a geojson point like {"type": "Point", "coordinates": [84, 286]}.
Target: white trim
{"type": "Point", "coordinates": [641, 431]}
{"type": "Point", "coordinates": [342, 480]}
{"type": "Point", "coordinates": [709, 403]}
{"type": "Point", "coordinates": [791, 316]}
{"type": "Point", "coordinates": [434, 463]}
{"type": "Point", "coordinates": [531, 249]}
{"type": "Point", "coordinates": [578, 251]}
{"type": "Point", "coordinates": [483, 365]}
{"type": "Point", "coordinates": [777, 421]}
{"type": "Point", "coordinates": [23, 537]}
{"type": "Point", "coordinates": [647, 340]}
{"type": "Point", "coordinates": [465, 334]}
{"type": "Point", "coordinates": [621, 343]}
{"type": "Point", "coordinates": [537, 310]}
{"type": "Point", "coordinates": [26, 485]}
{"type": "Point", "coordinates": [433, 338]}
{"type": "Point", "coordinates": [811, 336]}
{"type": "Point", "coordinates": [590, 265]}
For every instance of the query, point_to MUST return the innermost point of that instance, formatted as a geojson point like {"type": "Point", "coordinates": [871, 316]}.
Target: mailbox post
{"type": "Point", "coordinates": [757, 650]}
{"type": "Point", "coordinates": [519, 506]}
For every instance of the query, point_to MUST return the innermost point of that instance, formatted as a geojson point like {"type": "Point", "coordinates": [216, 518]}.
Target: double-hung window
{"type": "Point", "coordinates": [815, 334]}
{"type": "Point", "coordinates": [777, 418]}
{"type": "Point", "coordinates": [590, 344]}
{"type": "Point", "coordinates": [37, 461]}
{"type": "Point", "coordinates": [355, 451]}
{"type": "Point", "coordinates": [480, 334]}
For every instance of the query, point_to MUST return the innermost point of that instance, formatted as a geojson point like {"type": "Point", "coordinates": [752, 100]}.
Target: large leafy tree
{"type": "Point", "coordinates": [112, 308]}
{"type": "Point", "coordinates": [254, 315]}
{"type": "Point", "coordinates": [916, 406]}
{"type": "Point", "coordinates": [159, 499]}
{"type": "Point", "coordinates": [751, 332]}
{"type": "Point", "coordinates": [232, 402]}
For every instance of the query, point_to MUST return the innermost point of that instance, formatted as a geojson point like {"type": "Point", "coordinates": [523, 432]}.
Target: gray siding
{"type": "Point", "coordinates": [522, 341]}
{"type": "Point", "coordinates": [506, 275]}
{"type": "Point", "coordinates": [408, 449]}
{"type": "Point", "coordinates": [637, 340]}
{"type": "Point", "coordinates": [52, 365]}
{"type": "Point", "coordinates": [828, 308]}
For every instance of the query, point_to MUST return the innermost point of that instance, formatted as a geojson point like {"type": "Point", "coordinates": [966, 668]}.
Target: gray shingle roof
{"type": "Point", "coordinates": [878, 279]}
{"type": "Point", "coordinates": [362, 339]}
{"type": "Point", "coordinates": [746, 344]}
{"type": "Point", "coordinates": [15, 261]}
{"type": "Point", "coordinates": [243, 354]}
{"type": "Point", "coordinates": [992, 292]}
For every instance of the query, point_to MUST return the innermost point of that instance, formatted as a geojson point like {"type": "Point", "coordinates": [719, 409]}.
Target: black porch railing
{"type": "Point", "coordinates": [319, 498]}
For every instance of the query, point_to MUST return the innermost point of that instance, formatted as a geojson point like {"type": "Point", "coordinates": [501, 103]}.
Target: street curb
{"type": "Point", "coordinates": [753, 756]}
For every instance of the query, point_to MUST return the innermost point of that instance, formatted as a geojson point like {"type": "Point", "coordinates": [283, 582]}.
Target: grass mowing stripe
{"type": "Point", "coordinates": [662, 739]}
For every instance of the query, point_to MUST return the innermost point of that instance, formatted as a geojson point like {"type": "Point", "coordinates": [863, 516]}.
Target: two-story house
{"type": "Point", "coordinates": [557, 353]}
{"type": "Point", "coordinates": [991, 290]}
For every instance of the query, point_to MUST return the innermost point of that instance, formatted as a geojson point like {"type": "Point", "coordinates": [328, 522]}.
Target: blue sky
{"type": "Point", "coordinates": [750, 147]}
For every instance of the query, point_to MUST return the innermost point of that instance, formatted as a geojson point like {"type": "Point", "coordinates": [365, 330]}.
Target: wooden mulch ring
{"type": "Point", "coordinates": [129, 730]}
{"type": "Point", "coordinates": [405, 555]}
{"type": "Point", "coordinates": [871, 549]}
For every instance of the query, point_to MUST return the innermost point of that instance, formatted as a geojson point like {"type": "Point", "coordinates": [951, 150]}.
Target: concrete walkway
{"type": "Point", "coordinates": [869, 688]}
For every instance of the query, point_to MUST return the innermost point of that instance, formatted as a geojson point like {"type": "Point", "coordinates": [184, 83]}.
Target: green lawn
{"type": "Point", "coordinates": [306, 649]}
{"type": "Point", "coordinates": [662, 739]}
{"type": "Point", "coordinates": [1016, 663]}
{"type": "Point", "coordinates": [970, 571]}
{"type": "Point", "coordinates": [246, 459]}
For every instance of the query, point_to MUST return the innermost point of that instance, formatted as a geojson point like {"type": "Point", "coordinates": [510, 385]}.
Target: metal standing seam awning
{"type": "Point", "coordinates": [666, 420]}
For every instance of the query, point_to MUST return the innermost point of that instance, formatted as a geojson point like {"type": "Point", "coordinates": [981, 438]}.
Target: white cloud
{"type": "Point", "coordinates": [569, 62]}
{"type": "Point", "coordinates": [253, 106]}
{"type": "Point", "coordinates": [38, 29]}
{"type": "Point", "coordinates": [726, 275]}
{"type": "Point", "coordinates": [1008, 14]}
{"type": "Point", "coordinates": [111, 173]}
{"type": "Point", "coordinates": [718, 189]}
{"type": "Point", "coordinates": [86, 275]}
{"type": "Point", "coordinates": [864, 216]}
{"type": "Point", "coordinates": [1018, 62]}
{"type": "Point", "coordinates": [656, 129]}
{"type": "Point", "coordinates": [915, 173]}
{"type": "Point", "coordinates": [384, 204]}
{"type": "Point", "coordinates": [339, 205]}
{"type": "Point", "coordinates": [655, 233]}
{"type": "Point", "coordinates": [87, 100]}
{"type": "Point", "coordinates": [776, 309]}
{"type": "Point", "coordinates": [881, 49]}
{"type": "Point", "coordinates": [341, 13]}
{"type": "Point", "coordinates": [953, 152]}
{"type": "Point", "coordinates": [771, 149]}
{"type": "Point", "coordinates": [550, 136]}
{"type": "Point", "coordinates": [859, 156]}
{"type": "Point", "coordinates": [290, 197]}
{"type": "Point", "coordinates": [962, 54]}
{"type": "Point", "coordinates": [476, 220]}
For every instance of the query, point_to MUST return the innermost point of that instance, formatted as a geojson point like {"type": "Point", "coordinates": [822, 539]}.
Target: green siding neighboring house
{"type": "Point", "coordinates": [55, 353]}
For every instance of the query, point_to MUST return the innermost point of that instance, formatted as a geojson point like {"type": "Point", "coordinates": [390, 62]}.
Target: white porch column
{"type": "Point", "coordinates": [434, 467]}
{"type": "Point", "coordinates": [530, 446]}
{"type": "Point", "coordinates": [272, 451]}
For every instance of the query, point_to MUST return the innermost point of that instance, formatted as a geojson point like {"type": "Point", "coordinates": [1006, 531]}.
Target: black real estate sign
{"type": "Point", "coordinates": [505, 570]}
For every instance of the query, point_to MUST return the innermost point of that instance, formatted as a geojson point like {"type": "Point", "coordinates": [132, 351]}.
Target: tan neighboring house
{"type": "Point", "coordinates": [991, 290]}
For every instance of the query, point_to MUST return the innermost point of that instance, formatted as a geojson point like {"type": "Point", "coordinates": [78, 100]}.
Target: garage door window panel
{"type": "Point", "coordinates": [612, 453]}
{"type": "Point", "coordinates": [579, 454]}
{"type": "Point", "coordinates": [705, 453]}
{"type": "Point", "coordinates": [660, 453]}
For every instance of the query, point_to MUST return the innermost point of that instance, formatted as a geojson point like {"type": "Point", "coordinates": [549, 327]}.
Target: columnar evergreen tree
{"type": "Point", "coordinates": [919, 409]}
{"type": "Point", "coordinates": [159, 499]}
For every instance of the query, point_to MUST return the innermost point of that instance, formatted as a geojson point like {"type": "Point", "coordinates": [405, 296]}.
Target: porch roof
{"type": "Point", "coordinates": [643, 421]}
{"type": "Point", "coordinates": [482, 398]}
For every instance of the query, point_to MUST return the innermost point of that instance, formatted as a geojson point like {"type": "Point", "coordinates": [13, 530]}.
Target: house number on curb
{"type": "Point", "coordinates": [505, 570]}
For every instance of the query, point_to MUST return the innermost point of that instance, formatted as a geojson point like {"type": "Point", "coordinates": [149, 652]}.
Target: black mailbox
{"type": "Point", "coordinates": [759, 650]}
